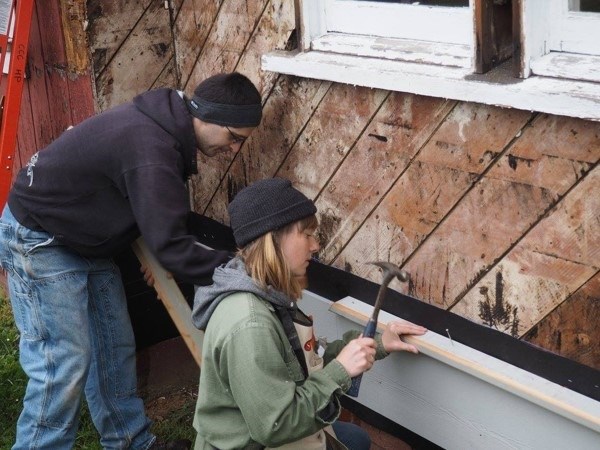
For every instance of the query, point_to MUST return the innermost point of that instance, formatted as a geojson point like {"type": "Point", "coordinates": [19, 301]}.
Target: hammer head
{"type": "Point", "coordinates": [391, 270]}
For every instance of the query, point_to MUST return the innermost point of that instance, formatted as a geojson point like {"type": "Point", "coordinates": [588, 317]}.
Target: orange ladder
{"type": "Point", "coordinates": [17, 14]}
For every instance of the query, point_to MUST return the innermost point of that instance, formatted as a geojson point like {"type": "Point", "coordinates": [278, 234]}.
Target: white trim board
{"type": "Point", "coordinates": [458, 397]}
{"type": "Point", "coordinates": [497, 87]}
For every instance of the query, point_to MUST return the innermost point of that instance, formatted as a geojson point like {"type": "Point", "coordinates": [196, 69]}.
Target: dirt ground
{"type": "Point", "coordinates": [160, 408]}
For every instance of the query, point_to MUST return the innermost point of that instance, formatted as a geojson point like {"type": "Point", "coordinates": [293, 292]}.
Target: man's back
{"type": "Point", "coordinates": [82, 188]}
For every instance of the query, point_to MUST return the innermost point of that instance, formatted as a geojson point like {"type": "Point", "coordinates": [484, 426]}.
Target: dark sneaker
{"type": "Point", "coordinates": [180, 444]}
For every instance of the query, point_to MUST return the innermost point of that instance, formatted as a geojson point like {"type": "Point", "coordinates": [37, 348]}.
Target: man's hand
{"type": "Point", "coordinates": [391, 337]}
{"type": "Point", "coordinates": [148, 277]}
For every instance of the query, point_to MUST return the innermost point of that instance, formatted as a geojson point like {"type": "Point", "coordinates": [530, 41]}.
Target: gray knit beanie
{"type": "Point", "coordinates": [264, 206]}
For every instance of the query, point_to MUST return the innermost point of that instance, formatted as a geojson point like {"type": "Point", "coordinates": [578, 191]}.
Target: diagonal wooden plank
{"type": "Point", "coordinates": [233, 27]}
{"type": "Point", "coordinates": [168, 77]}
{"type": "Point", "coordinates": [571, 330]}
{"type": "Point", "coordinates": [392, 139]}
{"type": "Point", "coordinates": [549, 264]}
{"type": "Point", "coordinates": [193, 23]}
{"type": "Point", "coordinates": [110, 23]}
{"type": "Point", "coordinates": [468, 141]}
{"type": "Point", "coordinates": [274, 31]}
{"type": "Point", "coordinates": [228, 38]}
{"type": "Point", "coordinates": [149, 45]}
{"type": "Point", "coordinates": [174, 301]}
{"type": "Point", "coordinates": [330, 135]}
{"type": "Point", "coordinates": [494, 215]}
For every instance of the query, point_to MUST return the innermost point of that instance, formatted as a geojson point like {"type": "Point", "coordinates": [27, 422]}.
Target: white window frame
{"type": "Point", "coordinates": [560, 43]}
{"type": "Point", "coordinates": [446, 69]}
{"type": "Point", "coordinates": [573, 31]}
{"type": "Point", "coordinates": [389, 31]}
{"type": "Point", "coordinates": [449, 25]}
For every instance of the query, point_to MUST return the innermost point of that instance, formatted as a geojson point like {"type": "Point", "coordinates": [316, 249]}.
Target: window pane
{"type": "Point", "coordinates": [584, 5]}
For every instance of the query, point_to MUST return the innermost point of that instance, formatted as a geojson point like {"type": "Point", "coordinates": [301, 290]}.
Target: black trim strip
{"type": "Point", "coordinates": [335, 284]}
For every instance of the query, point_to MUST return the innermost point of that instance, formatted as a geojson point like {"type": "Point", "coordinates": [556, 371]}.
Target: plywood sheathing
{"type": "Point", "coordinates": [469, 140]}
{"type": "Point", "coordinates": [141, 58]}
{"type": "Point", "coordinates": [275, 29]}
{"type": "Point", "coordinates": [192, 26]}
{"type": "Point", "coordinates": [552, 261]}
{"type": "Point", "coordinates": [330, 134]}
{"type": "Point", "coordinates": [491, 218]}
{"type": "Point", "coordinates": [568, 329]}
{"type": "Point", "coordinates": [397, 132]}
{"type": "Point", "coordinates": [236, 21]}
{"type": "Point", "coordinates": [110, 23]}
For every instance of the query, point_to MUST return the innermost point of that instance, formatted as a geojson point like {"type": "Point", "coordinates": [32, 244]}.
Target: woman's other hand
{"type": "Point", "coordinates": [392, 336]}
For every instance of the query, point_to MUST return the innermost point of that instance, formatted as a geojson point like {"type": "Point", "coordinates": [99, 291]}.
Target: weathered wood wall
{"type": "Point", "coordinates": [494, 212]}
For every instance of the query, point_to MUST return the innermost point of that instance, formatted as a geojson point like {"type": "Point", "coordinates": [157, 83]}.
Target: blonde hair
{"type": "Point", "coordinates": [265, 262]}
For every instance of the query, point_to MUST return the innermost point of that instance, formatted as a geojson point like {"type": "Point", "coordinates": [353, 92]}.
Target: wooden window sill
{"type": "Point", "coordinates": [496, 87]}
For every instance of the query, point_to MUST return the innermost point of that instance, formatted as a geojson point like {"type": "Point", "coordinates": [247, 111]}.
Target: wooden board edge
{"type": "Point", "coordinates": [174, 301]}
{"type": "Point", "coordinates": [544, 393]}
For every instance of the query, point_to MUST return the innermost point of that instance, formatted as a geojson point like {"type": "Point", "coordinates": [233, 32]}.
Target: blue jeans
{"type": "Point", "coordinates": [75, 338]}
{"type": "Point", "coordinates": [352, 436]}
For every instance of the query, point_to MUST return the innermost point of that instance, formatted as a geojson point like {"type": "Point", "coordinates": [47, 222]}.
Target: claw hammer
{"type": "Point", "coordinates": [390, 271]}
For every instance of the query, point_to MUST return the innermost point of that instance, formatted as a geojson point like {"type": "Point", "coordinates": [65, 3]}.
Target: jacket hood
{"type": "Point", "coordinates": [167, 108]}
{"type": "Point", "coordinates": [229, 279]}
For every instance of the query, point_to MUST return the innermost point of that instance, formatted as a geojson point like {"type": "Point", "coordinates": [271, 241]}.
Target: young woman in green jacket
{"type": "Point", "coordinates": [262, 383]}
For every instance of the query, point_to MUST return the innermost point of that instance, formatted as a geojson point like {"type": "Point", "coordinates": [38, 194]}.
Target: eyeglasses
{"type": "Point", "coordinates": [236, 138]}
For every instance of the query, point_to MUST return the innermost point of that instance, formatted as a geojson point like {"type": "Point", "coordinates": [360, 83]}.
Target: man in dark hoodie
{"type": "Point", "coordinates": [76, 204]}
